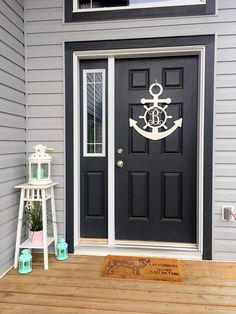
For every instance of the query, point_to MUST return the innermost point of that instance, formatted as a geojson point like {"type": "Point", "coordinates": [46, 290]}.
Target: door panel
{"type": "Point", "coordinates": [93, 156]}
{"type": "Point", "coordinates": [156, 188]}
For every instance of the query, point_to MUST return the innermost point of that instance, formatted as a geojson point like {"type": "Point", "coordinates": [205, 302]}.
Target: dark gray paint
{"type": "Point", "coordinates": [209, 42]}
{"type": "Point", "coordinates": [205, 9]}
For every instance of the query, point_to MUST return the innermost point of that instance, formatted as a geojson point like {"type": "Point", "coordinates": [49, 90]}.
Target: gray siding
{"type": "Point", "coordinates": [12, 123]}
{"type": "Point", "coordinates": [45, 34]}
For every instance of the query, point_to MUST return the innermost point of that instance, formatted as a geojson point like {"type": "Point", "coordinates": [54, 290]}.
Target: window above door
{"type": "Point", "coordinates": [97, 10]}
{"type": "Point", "coordinates": [81, 5]}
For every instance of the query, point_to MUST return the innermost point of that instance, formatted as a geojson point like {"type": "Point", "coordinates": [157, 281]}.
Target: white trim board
{"type": "Point", "coordinates": [112, 55]}
{"type": "Point", "coordinates": [85, 111]}
{"type": "Point", "coordinates": [103, 250]}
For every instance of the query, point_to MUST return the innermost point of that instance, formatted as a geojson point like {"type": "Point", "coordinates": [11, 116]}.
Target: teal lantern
{"type": "Point", "coordinates": [25, 262]}
{"type": "Point", "coordinates": [62, 250]}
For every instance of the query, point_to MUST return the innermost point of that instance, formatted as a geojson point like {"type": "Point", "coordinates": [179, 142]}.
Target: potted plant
{"type": "Point", "coordinates": [34, 222]}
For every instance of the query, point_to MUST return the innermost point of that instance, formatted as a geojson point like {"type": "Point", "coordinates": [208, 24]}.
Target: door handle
{"type": "Point", "coordinates": [120, 164]}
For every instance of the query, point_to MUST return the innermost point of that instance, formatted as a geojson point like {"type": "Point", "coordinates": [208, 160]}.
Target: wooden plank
{"type": "Point", "coordinates": [12, 95]}
{"type": "Point", "coordinates": [226, 54]}
{"type": "Point", "coordinates": [14, 12]}
{"type": "Point", "coordinates": [45, 63]}
{"type": "Point", "coordinates": [41, 16]}
{"type": "Point", "coordinates": [12, 173]}
{"type": "Point", "coordinates": [97, 282]}
{"type": "Point", "coordinates": [225, 93]}
{"type": "Point", "coordinates": [42, 75]}
{"type": "Point", "coordinates": [226, 4]}
{"type": "Point", "coordinates": [14, 309]}
{"type": "Point", "coordinates": [222, 256]}
{"type": "Point", "coordinates": [225, 106]}
{"type": "Point", "coordinates": [46, 123]}
{"type": "Point", "coordinates": [226, 80]}
{"type": "Point", "coordinates": [12, 134]}
{"type": "Point", "coordinates": [99, 304]}
{"type": "Point", "coordinates": [10, 67]}
{"type": "Point", "coordinates": [8, 187]}
{"type": "Point", "coordinates": [11, 54]}
{"type": "Point", "coordinates": [225, 119]}
{"type": "Point", "coordinates": [17, 7]}
{"type": "Point", "coordinates": [9, 213]}
{"type": "Point", "coordinates": [226, 67]}
{"type": "Point", "coordinates": [14, 108]}
{"type": "Point", "coordinates": [35, 4]}
{"type": "Point", "coordinates": [9, 202]}
{"type": "Point", "coordinates": [10, 120]}
{"type": "Point", "coordinates": [46, 100]}
{"type": "Point", "coordinates": [45, 87]}
{"type": "Point", "coordinates": [43, 135]}
{"type": "Point", "coordinates": [225, 183]}
{"type": "Point", "coordinates": [225, 170]}
{"type": "Point", "coordinates": [74, 286]}
{"type": "Point", "coordinates": [45, 51]}
{"type": "Point", "coordinates": [12, 160]}
{"type": "Point", "coordinates": [118, 294]}
{"type": "Point", "coordinates": [227, 41]}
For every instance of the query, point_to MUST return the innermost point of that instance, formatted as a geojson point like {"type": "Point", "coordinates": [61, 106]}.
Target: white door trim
{"type": "Point", "coordinates": [111, 55]}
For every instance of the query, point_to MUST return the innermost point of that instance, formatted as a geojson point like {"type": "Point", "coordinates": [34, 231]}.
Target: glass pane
{"type": "Point", "coordinates": [90, 77]}
{"type": "Point", "coordinates": [98, 148]}
{"type": "Point", "coordinates": [94, 111]}
{"type": "Point", "coordinates": [44, 171]}
{"type": "Point", "coordinates": [87, 4]}
{"type": "Point", "coordinates": [90, 112]}
{"type": "Point", "coordinates": [90, 4]}
{"type": "Point", "coordinates": [34, 171]}
{"type": "Point", "coordinates": [98, 113]}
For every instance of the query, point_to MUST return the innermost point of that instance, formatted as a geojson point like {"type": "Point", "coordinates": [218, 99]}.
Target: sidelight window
{"type": "Point", "coordinates": [94, 112]}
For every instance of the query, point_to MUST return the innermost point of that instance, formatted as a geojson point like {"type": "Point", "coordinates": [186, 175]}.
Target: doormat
{"type": "Point", "coordinates": [145, 268]}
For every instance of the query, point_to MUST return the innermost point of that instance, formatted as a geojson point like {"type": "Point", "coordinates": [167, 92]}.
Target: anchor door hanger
{"type": "Point", "coordinates": [155, 116]}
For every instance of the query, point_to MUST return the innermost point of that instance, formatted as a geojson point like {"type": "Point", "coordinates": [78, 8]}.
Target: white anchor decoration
{"type": "Point", "coordinates": [155, 117]}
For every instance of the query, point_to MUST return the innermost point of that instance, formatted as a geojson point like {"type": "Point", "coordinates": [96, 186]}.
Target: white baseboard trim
{"type": "Point", "coordinates": [103, 250]}
{"type": "Point", "coordinates": [1, 276]}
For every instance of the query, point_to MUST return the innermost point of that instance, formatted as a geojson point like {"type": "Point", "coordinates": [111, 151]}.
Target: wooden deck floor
{"type": "Point", "coordinates": [74, 286]}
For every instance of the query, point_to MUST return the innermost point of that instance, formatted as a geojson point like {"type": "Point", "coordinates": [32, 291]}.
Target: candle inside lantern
{"type": "Point", "coordinates": [41, 174]}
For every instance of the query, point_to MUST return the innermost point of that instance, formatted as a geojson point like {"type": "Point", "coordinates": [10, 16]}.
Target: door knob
{"type": "Point", "coordinates": [120, 164]}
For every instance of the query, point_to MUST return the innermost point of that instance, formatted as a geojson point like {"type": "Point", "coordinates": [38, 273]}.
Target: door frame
{"type": "Point", "coordinates": [112, 55]}
{"type": "Point", "coordinates": [204, 199]}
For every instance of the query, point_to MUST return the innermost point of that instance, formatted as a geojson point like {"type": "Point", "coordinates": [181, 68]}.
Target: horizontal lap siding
{"type": "Point", "coordinates": [46, 32]}
{"type": "Point", "coordinates": [12, 123]}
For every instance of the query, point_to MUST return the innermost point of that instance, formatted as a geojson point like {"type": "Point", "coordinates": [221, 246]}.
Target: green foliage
{"type": "Point", "coordinates": [34, 219]}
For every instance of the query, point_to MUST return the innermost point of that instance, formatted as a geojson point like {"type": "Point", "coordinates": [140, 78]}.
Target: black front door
{"type": "Point", "coordinates": [156, 187]}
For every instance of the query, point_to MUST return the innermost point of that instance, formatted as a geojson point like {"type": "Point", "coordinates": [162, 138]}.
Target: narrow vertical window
{"type": "Point", "coordinates": [94, 112]}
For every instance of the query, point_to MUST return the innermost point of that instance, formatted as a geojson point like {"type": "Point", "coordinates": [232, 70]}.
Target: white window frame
{"type": "Point", "coordinates": [162, 3]}
{"type": "Point", "coordinates": [85, 113]}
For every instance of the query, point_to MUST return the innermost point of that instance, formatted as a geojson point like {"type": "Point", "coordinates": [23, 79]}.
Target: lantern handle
{"type": "Point", "coordinates": [50, 149]}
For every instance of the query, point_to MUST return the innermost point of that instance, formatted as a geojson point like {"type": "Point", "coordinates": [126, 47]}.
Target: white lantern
{"type": "Point", "coordinates": [40, 166]}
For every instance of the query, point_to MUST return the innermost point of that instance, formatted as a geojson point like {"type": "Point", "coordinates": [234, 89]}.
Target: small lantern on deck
{"type": "Point", "coordinates": [62, 250]}
{"type": "Point", "coordinates": [40, 166]}
{"type": "Point", "coordinates": [25, 262]}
